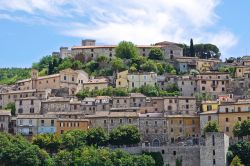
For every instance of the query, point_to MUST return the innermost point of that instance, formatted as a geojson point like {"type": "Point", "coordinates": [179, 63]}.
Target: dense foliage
{"type": "Point", "coordinates": [124, 135]}
{"type": "Point", "coordinates": [154, 91]}
{"type": "Point", "coordinates": [12, 75]}
{"type": "Point", "coordinates": [242, 129]}
{"type": "Point", "coordinates": [156, 53]}
{"type": "Point", "coordinates": [203, 51]}
{"type": "Point", "coordinates": [228, 69]}
{"type": "Point", "coordinates": [240, 149]}
{"type": "Point", "coordinates": [72, 148]}
{"type": "Point", "coordinates": [211, 126]}
{"type": "Point", "coordinates": [126, 50]}
{"type": "Point", "coordinates": [236, 161]}
{"type": "Point", "coordinates": [157, 157]}
{"type": "Point", "coordinates": [109, 91]}
{"type": "Point", "coordinates": [12, 108]}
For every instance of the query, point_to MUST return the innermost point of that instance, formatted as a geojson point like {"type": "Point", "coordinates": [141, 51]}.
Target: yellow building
{"type": "Point", "coordinates": [182, 126]}
{"type": "Point", "coordinates": [122, 79]}
{"type": "Point", "coordinates": [63, 125]}
{"type": "Point", "coordinates": [209, 106]}
{"type": "Point", "coordinates": [231, 112]}
{"type": "Point", "coordinates": [206, 64]}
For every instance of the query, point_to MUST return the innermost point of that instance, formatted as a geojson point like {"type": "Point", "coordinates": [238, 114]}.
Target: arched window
{"type": "Point", "coordinates": [156, 143]}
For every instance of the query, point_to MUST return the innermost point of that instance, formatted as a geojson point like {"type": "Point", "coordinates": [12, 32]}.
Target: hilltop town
{"type": "Point", "coordinates": [186, 103]}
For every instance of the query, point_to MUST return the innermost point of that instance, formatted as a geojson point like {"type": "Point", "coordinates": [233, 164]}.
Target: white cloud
{"type": "Point", "coordinates": [141, 21]}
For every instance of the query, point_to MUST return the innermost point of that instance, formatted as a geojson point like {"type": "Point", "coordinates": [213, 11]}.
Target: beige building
{"type": "Point", "coordinates": [64, 125]}
{"type": "Point", "coordinates": [182, 127]}
{"type": "Point", "coordinates": [12, 96]}
{"type": "Point", "coordinates": [66, 78]}
{"type": "Point", "coordinates": [95, 84]}
{"type": "Point", "coordinates": [213, 83]}
{"type": "Point", "coordinates": [5, 116]}
{"type": "Point", "coordinates": [204, 65]}
{"type": "Point", "coordinates": [112, 119]}
{"type": "Point", "coordinates": [55, 104]}
{"type": "Point", "coordinates": [180, 105]}
{"type": "Point", "coordinates": [187, 85]}
{"type": "Point", "coordinates": [30, 105]}
{"type": "Point", "coordinates": [135, 80]}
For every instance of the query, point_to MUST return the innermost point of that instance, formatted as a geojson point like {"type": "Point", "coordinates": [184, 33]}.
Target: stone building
{"type": "Point", "coordinates": [207, 116]}
{"type": "Point", "coordinates": [187, 85]}
{"type": "Point", "coordinates": [5, 116]}
{"type": "Point", "coordinates": [89, 50]}
{"type": "Point", "coordinates": [55, 104]}
{"type": "Point", "coordinates": [12, 96]}
{"type": "Point", "coordinates": [157, 103]}
{"type": "Point", "coordinates": [29, 105]}
{"type": "Point", "coordinates": [163, 81]}
{"type": "Point", "coordinates": [66, 78]}
{"type": "Point", "coordinates": [95, 84]}
{"type": "Point", "coordinates": [204, 65]}
{"type": "Point", "coordinates": [214, 151]}
{"type": "Point", "coordinates": [153, 128]}
{"type": "Point", "coordinates": [180, 105]}
{"type": "Point", "coordinates": [137, 100]}
{"type": "Point", "coordinates": [213, 83]}
{"type": "Point", "coordinates": [114, 118]}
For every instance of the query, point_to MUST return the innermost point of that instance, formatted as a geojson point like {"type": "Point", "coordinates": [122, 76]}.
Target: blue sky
{"type": "Point", "coordinates": [30, 29]}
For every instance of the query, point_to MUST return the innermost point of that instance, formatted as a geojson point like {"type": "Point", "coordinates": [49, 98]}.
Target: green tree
{"type": "Point", "coordinates": [12, 108]}
{"type": "Point", "coordinates": [49, 142]}
{"type": "Point", "coordinates": [64, 158]}
{"type": "Point", "coordinates": [157, 157]}
{"type": "Point", "coordinates": [125, 135]}
{"type": "Point", "coordinates": [126, 50]}
{"type": "Point", "coordinates": [73, 139]}
{"type": "Point", "coordinates": [236, 161]}
{"type": "Point", "coordinates": [67, 63]}
{"type": "Point", "coordinates": [156, 53]}
{"type": "Point", "coordinates": [242, 129]}
{"type": "Point", "coordinates": [82, 94]}
{"type": "Point", "coordinates": [117, 64]}
{"type": "Point", "coordinates": [211, 126]}
{"type": "Point", "coordinates": [149, 66]}
{"type": "Point", "coordinates": [242, 150]}
{"type": "Point", "coordinates": [97, 136]}
{"type": "Point", "coordinates": [192, 49]}
{"type": "Point", "coordinates": [92, 66]}
{"type": "Point", "coordinates": [172, 88]}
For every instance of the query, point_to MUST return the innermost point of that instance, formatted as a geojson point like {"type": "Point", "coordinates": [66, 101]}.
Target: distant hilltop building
{"type": "Point", "coordinates": [89, 50]}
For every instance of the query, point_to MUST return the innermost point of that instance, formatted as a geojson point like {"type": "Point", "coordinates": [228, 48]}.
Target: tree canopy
{"type": "Point", "coordinates": [211, 126]}
{"type": "Point", "coordinates": [242, 129]}
{"type": "Point", "coordinates": [156, 53]}
{"type": "Point", "coordinates": [126, 50]}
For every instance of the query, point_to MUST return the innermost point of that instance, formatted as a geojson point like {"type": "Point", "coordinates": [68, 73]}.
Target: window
{"type": "Point", "coordinates": [65, 78]}
{"type": "Point", "coordinates": [180, 130]}
{"type": "Point", "coordinates": [186, 100]}
{"type": "Point", "coordinates": [73, 79]}
{"type": "Point", "coordinates": [203, 82]}
{"type": "Point", "coordinates": [112, 121]}
{"type": "Point", "coordinates": [222, 89]}
{"type": "Point", "coordinates": [21, 122]}
{"type": "Point", "coordinates": [239, 109]}
{"type": "Point", "coordinates": [105, 121]}
{"type": "Point", "coordinates": [52, 122]}
{"type": "Point", "coordinates": [146, 122]}
{"type": "Point", "coordinates": [129, 120]}
{"type": "Point", "coordinates": [119, 82]}
{"type": "Point", "coordinates": [214, 152]}
{"type": "Point", "coordinates": [20, 110]}
{"type": "Point", "coordinates": [120, 120]}
{"type": "Point", "coordinates": [156, 131]}
{"type": "Point", "coordinates": [146, 130]}
{"type": "Point", "coordinates": [170, 101]}
{"type": "Point", "coordinates": [213, 140]}
{"type": "Point", "coordinates": [174, 153]}
{"type": "Point", "coordinates": [193, 122]}
{"type": "Point", "coordinates": [187, 106]}
{"type": "Point", "coordinates": [203, 88]}
{"type": "Point", "coordinates": [20, 102]}
{"type": "Point", "coordinates": [227, 129]}
{"type": "Point", "coordinates": [30, 122]}
{"type": "Point", "coordinates": [133, 85]}
{"type": "Point", "coordinates": [239, 118]}
{"type": "Point", "coordinates": [169, 107]}
{"type": "Point", "coordinates": [227, 120]}
{"type": "Point", "coordinates": [180, 121]}
{"type": "Point", "coordinates": [145, 77]}
{"type": "Point", "coordinates": [42, 122]}
{"type": "Point", "coordinates": [209, 118]}
{"type": "Point", "coordinates": [32, 110]}
{"type": "Point", "coordinates": [226, 110]}
{"type": "Point", "coordinates": [156, 123]}
{"type": "Point", "coordinates": [193, 129]}
{"type": "Point", "coordinates": [214, 161]}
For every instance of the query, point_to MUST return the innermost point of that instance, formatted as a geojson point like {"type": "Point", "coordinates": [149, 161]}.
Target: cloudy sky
{"type": "Point", "coordinates": [30, 29]}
